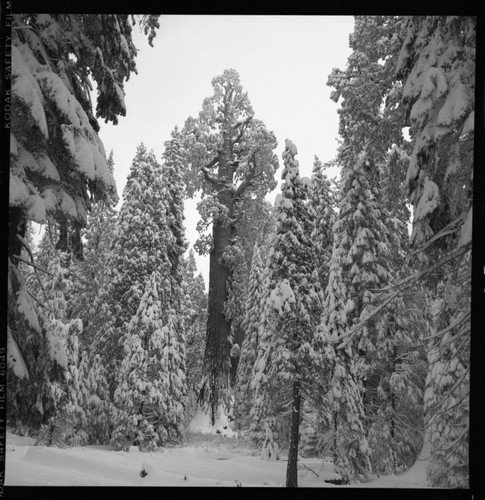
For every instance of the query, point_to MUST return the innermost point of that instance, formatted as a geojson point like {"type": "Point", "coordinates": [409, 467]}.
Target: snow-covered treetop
{"type": "Point", "coordinates": [226, 133]}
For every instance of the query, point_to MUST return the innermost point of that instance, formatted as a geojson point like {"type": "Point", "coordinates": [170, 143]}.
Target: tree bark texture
{"type": "Point", "coordinates": [217, 361]}
{"type": "Point", "coordinates": [292, 468]}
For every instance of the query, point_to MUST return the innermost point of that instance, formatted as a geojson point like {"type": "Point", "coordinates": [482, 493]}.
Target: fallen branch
{"type": "Point", "coordinates": [304, 466]}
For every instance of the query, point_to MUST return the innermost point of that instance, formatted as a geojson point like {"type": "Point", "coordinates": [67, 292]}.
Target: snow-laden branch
{"type": "Point", "coordinates": [401, 286]}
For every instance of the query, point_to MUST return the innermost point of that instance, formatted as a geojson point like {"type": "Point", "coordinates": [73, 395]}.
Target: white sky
{"type": "Point", "coordinates": [283, 63]}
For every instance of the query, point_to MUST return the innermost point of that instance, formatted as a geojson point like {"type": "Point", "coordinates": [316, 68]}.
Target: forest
{"type": "Point", "coordinates": [336, 321]}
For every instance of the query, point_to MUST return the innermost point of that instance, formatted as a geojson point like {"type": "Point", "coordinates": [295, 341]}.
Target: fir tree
{"type": "Point", "coordinates": [173, 181]}
{"type": "Point", "coordinates": [371, 119]}
{"type": "Point", "coordinates": [150, 397]}
{"type": "Point", "coordinates": [323, 199]}
{"type": "Point", "coordinates": [90, 275]}
{"type": "Point", "coordinates": [250, 325]}
{"type": "Point", "coordinates": [142, 237]}
{"type": "Point", "coordinates": [295, 300]}
{"type": "Point", "coordinates": [339, 386]}
{"type": "Point", "coordinates": [58, 163]}
{"type": "Point", "coordinates": [255, 226]}
{"type": "Point", "coordinates": [437, 67]}
{"type": "Point", "coordinates": [194, 311]}
{"type": "Point", "coordinates": [58, 399]}
{"type": "Point", "coordinates": [96, 403]}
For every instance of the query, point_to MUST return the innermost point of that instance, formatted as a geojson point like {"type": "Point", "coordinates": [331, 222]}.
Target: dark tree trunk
{"type": "Point", "coordinates": [217, 357]}
{"type": "Point", "coordinates": [292, 468]}
{"type": "Point", "coordinates": [217, 348]}
{"type": "Point", "coordinates": [17, 225]}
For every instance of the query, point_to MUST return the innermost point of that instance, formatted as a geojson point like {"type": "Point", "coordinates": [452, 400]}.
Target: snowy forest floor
{"type": "Point", "coordinates": [204, 460]}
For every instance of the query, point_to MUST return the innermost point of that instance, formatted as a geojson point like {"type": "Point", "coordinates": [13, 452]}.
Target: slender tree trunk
{"type": "Point", "coordinates": [292, 468]}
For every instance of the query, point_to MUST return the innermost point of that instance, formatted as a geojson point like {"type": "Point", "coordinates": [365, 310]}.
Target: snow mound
{"type": "Point", "coordinates": [201, 423]}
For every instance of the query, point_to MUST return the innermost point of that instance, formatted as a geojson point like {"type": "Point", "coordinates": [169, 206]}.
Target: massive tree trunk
{"type": "Point", "coordinates": [215, 388]}
{"type": "Point", "coordinates": [292, 468]}
{"type": "Point", "coordinates": [217, 350]}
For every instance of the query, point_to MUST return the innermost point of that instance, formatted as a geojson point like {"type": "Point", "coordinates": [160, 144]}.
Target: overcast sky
{"type": "Point", "coordinates": [283, 63]}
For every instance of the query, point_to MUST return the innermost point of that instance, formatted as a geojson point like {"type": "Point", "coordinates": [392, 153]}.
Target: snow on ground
{"type": "Point", "coordinates": [201, 423]}
{"type": "Point", "coordinates": [203, 462]}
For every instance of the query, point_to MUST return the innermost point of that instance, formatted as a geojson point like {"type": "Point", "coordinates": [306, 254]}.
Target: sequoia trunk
{"type": "Point", "coordinates": [215, 389]}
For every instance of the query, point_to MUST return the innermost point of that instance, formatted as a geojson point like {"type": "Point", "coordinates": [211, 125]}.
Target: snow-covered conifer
{"type": "Point", "coordinates": [323, 198]}
{"type": "Point", "coordinates": [90, 275]}
{"type": "Point", "coordinates": [249, 349]}
{"type": "Point", "coordinates": [340, 401]}
{"type": "Point", "coordinates": [95, 399]}
{"type": "Point", "coordinates": [295, 303]}
{"type": "Point", "coordinates": [142, 236]}
{"type": "Point", "coordinates": [194, 311]}
{"type": "Point", "coordinates": [57, 160]}
{"type": "Point", "coordinates": [150, 396]}
{"type": "Point", "coordinates": [437, 67]}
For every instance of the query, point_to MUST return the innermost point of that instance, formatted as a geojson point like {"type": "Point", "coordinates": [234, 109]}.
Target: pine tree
{"type": "Point", "coordinates": [173, 184]}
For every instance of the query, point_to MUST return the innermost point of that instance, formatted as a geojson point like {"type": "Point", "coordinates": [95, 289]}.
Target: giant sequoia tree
{"type": "Point", "coordinates": [229, 157]}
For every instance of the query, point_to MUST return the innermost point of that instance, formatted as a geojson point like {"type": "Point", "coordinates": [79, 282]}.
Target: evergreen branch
{"type": "Point", "coordinates": [447, 230]}
{"type": "Point", "coordinates": [35, 266]}
{"type": "Point", "coordinates": [401, 286]}
{"type": "Point", "coordinates": [45, 306]}
{"type": "Point", "coordinates": [457, 322]}
{"type": "Point", "coordinates": [25, 244]}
